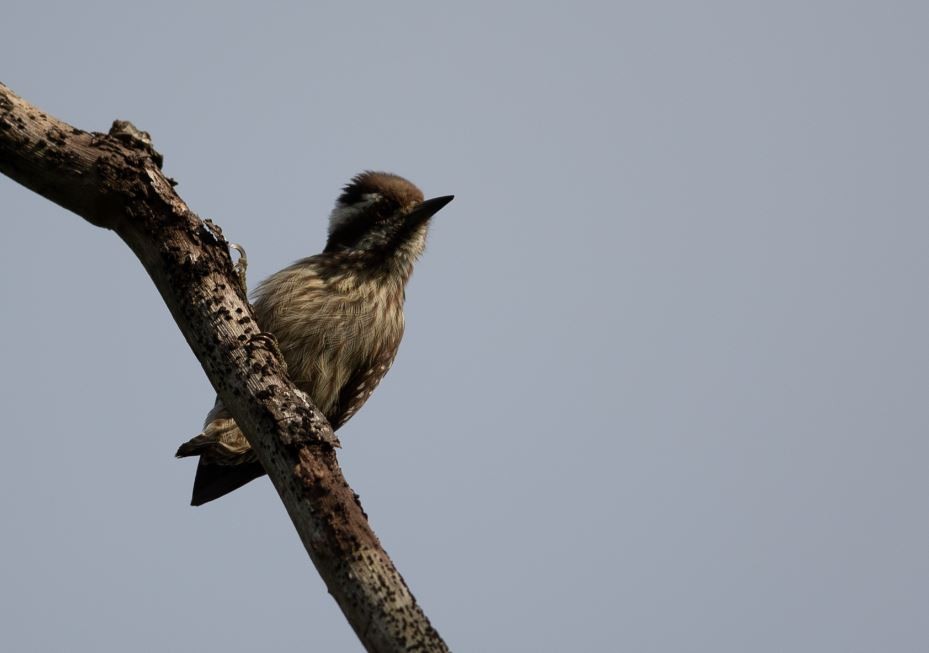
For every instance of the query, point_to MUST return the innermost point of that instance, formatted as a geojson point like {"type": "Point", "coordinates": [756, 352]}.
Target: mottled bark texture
{"type": "Point", "coordinates": [115, 181]}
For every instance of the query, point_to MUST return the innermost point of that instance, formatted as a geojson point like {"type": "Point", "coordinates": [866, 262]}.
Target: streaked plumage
{"type": "Point", "coordinates": [337, 317]}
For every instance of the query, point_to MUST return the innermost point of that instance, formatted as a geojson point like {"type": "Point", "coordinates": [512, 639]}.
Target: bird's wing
{"type": "Point", "coordinates": [360, 385]}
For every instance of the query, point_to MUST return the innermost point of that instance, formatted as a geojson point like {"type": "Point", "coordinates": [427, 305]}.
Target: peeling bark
{"type": "Point", "coordinates": [115, 181]}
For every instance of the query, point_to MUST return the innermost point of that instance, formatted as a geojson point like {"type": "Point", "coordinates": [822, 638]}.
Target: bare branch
{"type": "Point", "coordinates": [115, 181]}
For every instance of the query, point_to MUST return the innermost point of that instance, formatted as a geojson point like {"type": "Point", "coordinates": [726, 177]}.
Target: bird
{"type": "Point", "coordinates": [337, 318]}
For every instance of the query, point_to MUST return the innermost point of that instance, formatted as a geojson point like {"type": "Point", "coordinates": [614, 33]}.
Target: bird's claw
{"type": "Point", "coordinates": [272, 344]}
{"type": "Point", "coordinates": [241, 265]}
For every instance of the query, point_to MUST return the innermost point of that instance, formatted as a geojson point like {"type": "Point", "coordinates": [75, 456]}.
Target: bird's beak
{"type": "Point", "coordinates": [426, 210]}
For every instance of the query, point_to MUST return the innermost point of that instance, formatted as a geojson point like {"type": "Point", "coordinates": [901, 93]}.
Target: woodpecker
{"type": "Point", "coordinates": [337, 317]}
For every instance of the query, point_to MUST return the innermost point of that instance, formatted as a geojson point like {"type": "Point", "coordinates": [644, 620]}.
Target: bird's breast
{"type": "Point", "coordinates": [332, 336]}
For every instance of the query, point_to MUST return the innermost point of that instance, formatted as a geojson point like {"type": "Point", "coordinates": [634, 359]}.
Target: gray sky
{"type": "Point", "coordinates": [664, 382]}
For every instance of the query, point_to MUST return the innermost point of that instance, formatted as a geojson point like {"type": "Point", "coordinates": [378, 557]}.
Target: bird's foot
{"type": "Point", "coordinates": [271, 342]}
{"type": "Point", "coordinates": [240, 266]}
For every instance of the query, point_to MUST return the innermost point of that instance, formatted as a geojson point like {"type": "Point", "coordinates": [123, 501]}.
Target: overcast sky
{"type": "Point", "coordinates": [664, 382]}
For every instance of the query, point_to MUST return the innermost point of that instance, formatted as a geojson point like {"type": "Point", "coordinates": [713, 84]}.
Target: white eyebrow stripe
{"type": "Point", "coordinates": [345, 213]}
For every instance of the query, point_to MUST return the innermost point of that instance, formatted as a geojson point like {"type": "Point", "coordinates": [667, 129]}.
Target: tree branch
{"type": "Point", "coordinates": [115, 181]}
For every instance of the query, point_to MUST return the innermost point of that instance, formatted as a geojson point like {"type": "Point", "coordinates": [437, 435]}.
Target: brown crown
{"type": "Point", "coordinates": [391, 187]}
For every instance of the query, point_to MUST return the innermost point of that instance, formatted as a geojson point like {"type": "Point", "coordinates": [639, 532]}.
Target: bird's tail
{"type": "Point", "coordinates": [226, 461]}
{"type": "Point", "coordinates": [214, 481]}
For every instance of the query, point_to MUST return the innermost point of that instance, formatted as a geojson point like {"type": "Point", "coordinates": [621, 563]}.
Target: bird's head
{"type": "Point", "coordinates": [382, 214]}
